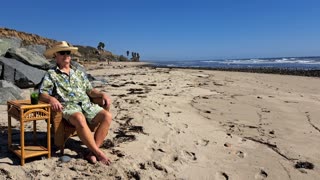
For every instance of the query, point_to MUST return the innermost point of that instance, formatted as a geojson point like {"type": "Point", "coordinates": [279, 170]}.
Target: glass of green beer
{"type": "Point", "coordinates": [34, 96]}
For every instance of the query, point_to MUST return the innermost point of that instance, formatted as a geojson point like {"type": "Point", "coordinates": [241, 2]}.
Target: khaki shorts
{"type": "Point", "coordinates": [88, 109]}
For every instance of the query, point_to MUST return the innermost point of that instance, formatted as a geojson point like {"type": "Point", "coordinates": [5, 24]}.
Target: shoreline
{"type": "Point", "coordinates": [281, 71]}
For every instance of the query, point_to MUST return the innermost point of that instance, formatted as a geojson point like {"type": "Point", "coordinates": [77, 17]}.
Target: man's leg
{"type": "Point", "coordinates": [103, 120]}
{"type": "Point", "coordinates": [79, 121]}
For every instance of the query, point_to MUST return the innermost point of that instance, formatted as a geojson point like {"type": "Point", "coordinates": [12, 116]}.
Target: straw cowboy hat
{"type": "Point", "coordinates": [60, 46]}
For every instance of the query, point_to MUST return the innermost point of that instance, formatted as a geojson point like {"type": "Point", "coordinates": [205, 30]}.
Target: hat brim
{"type": "Point", "coordinates": [50, 52]}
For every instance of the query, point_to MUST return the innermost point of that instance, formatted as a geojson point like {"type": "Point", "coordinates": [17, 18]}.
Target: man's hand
{"type": "Point", "coordinates": [94, 93]}
{"type": "Point", "coordinates": [106, 101]}
{"type": "Point", "coordinates": [55, 104]}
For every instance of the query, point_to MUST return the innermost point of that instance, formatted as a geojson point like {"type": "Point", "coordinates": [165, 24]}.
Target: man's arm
{"type": "Point", "coordinates": [94, 93]}
{"type": "Point", "coordinates": [55, 104]}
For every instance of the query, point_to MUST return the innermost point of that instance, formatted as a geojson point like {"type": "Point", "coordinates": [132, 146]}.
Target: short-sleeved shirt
{"type": "Point", "coordinates": [71, 91]}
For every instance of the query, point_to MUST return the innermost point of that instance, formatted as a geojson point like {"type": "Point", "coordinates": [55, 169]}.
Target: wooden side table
{"type": "Point", "coordinates": [24, 111]}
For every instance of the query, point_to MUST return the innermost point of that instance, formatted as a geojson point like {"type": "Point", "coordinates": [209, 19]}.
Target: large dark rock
{"type": "Point", "coordinates": [9, 91]}
{"type": "Point", "coordinates": [28, 57]}
{"type": "Point", "coordinates": [20, 74]}
{"type": "Point", "coordinates": [78, 66]}
{"type": "Point", "coordinates": [8, 94]}
{"type": "Point", "coordinates": [6, 43]}
{"type": "Point", "coordinates": [4, 84]}
{"type": "Point", "coordinates": [37, 48]}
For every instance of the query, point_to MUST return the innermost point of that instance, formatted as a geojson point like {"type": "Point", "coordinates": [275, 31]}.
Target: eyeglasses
{"type": "Point", "coordinates": [64, 52]}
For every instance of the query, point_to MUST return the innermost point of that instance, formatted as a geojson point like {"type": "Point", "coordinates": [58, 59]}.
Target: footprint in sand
{"type": "Point", "coordinates": [186, 125]}
{"type": "Point", "coordinates": [153, 164]}
{"type": "Point", "coordinates": [265, 110]}
{"type": "Point", "coordinates": [159, 167]}
{"type": "Point", "coordinates": [261, 175]}
{"type": "Point", "coordinates": [221, 176]}
{"type": "Point", "coordinates": [202, 142]}
{"type": "Point", "coordinates": [191, 155]}
{"type": "Point", "coordinates": [242, 140]}
{"type": "Point", "coordinates": [175, 158]}
{"type": "Point", "coordinates": [240, 154]}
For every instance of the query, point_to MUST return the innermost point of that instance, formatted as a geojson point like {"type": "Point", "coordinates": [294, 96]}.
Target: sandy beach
{"type": "Point", "coordinates": [191, 124]}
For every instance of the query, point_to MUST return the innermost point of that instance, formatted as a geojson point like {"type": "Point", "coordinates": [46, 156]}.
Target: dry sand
{"type": "Point", "coordinates": [192, 124]}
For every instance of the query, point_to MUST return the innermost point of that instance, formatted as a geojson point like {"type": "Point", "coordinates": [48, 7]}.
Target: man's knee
{"type": "Point", "coordinates": [104, 117]}
{"type": "Point", "coordinates": [107, 116]}
{"type": "Point", "coordinates": [78, 119]}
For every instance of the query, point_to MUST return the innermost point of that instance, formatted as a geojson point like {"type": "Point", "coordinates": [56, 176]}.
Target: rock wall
{"type": "Point", "coordinates": [27, 38]}
{"type": "Point", "coordinates": [34, 41]}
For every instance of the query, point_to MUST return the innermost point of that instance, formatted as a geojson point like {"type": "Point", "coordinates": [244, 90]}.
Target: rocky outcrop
{"type": "Point", "coordinates": [28, 57]}
{"type": "Point", "coordinates": [33, 41]}
{"type": "Point", "coordinates": [21, 66]}
{"type": "Point", "coordinates": [26, 38]}
{"type": "Point", "coordinates": [6, 43]}
{"type": "Point", "coordinates": [9, 91]}
{"type": "Point", "coordinates": [37, 48]}
{"type": "Point", "coordinates": [22, 75]}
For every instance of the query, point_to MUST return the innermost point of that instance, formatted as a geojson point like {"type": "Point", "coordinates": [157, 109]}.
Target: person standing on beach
{"type": "Point", "coordinates": [68, 90]}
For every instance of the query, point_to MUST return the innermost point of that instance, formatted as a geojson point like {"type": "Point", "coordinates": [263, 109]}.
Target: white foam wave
{"type": "Point", "coordinates": [270, 61]}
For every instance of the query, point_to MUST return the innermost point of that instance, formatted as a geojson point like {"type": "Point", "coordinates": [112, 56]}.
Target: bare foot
{"type": "Point", "coordinates": [91, 158]}
{"type": "Point", "coordinates": [103, 158]}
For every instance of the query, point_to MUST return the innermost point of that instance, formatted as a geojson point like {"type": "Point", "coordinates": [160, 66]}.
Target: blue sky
{"type": "Point", "coordinates": [174, 29]}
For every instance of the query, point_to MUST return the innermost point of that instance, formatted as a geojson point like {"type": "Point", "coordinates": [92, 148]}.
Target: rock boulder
{"type": "Point", "coordinates": [22, 75]}
{"type": "Point", "coordinates": [9, 91]}
{"type": "Point", "coordinates": [28, 57]}
{"type": "Point", "coordinates": [6, 43]}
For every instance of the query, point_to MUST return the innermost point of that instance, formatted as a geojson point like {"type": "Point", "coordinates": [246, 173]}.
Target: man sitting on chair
{"type": "Point", "coordinates": [68, 90]}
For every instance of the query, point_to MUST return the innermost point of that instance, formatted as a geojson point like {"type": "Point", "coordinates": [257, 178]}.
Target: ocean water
{"type": "Point", "coordinates": [298, 63]}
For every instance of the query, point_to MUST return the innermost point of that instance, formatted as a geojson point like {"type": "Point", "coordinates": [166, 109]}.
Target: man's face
{"type": "Point", "coordinates": [63, 57]}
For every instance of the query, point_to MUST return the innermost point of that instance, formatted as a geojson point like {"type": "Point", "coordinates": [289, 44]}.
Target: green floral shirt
{"type": "Point", "coordinates": [66, 88]}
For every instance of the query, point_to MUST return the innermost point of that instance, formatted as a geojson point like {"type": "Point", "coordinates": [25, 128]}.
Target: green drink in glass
{"type": "Point", "coordinates": [34, 97]}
